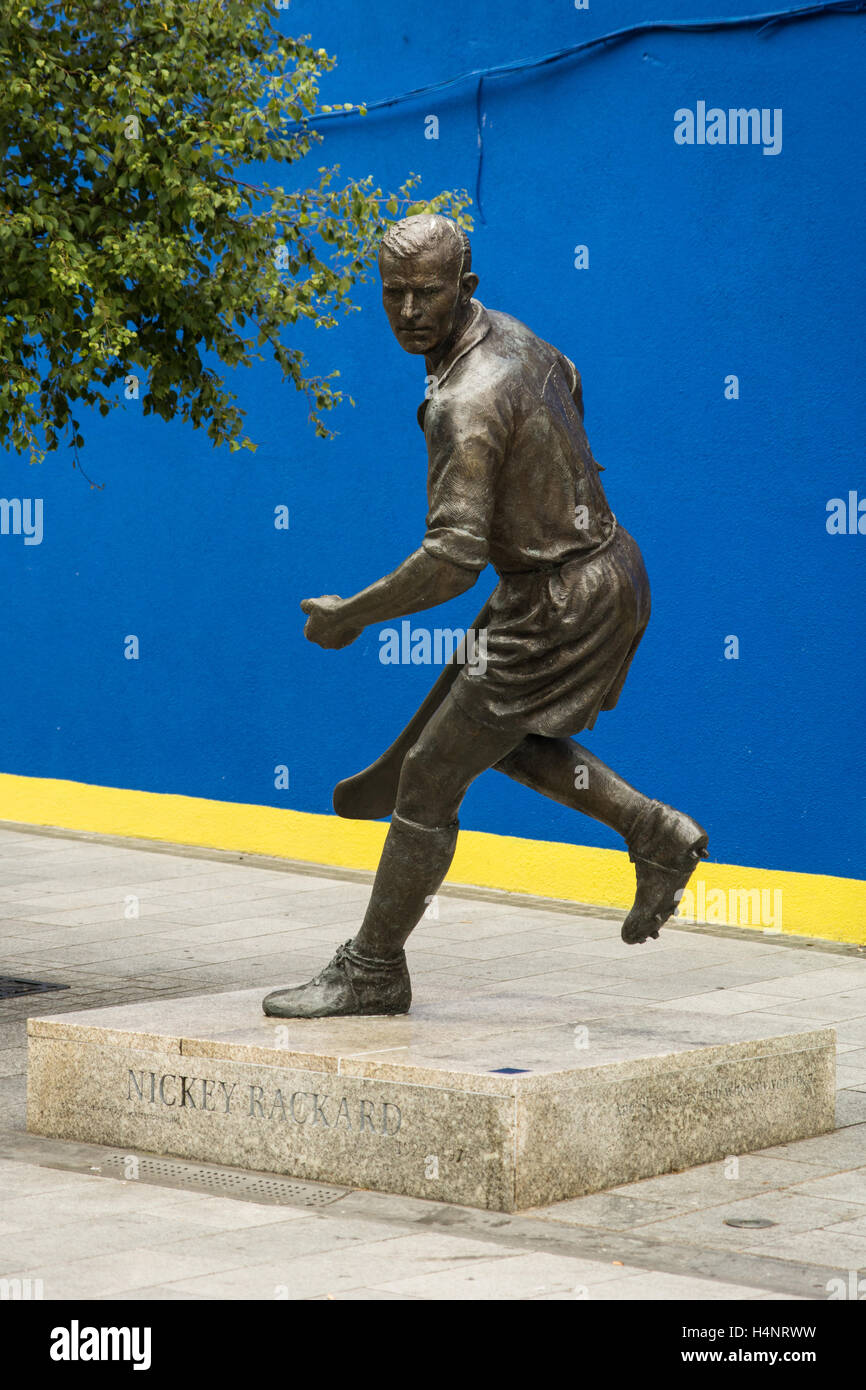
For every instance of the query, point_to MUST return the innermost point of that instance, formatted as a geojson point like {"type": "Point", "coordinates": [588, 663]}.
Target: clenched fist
{"type": "Point", "coordinates": [324, 624]}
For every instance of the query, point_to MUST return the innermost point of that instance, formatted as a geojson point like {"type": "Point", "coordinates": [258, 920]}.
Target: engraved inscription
{"type": "Point", "coordinates": [717, 1092]}
{"type": "Point", "coordinates": [315, 1109]}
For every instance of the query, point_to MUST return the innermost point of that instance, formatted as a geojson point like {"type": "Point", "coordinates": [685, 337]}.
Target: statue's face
{"type": "Point", "coordinates": [422, 296]}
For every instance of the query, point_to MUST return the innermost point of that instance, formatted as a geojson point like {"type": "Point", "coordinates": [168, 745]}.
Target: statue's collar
{"type": "Point", "coordinates": [477, 327]}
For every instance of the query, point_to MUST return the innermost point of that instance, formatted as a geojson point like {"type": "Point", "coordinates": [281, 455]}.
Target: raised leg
{"type": "Point", "coordinates": [567, 772]}
{"type": "Point", "coordinates": [664, 844]}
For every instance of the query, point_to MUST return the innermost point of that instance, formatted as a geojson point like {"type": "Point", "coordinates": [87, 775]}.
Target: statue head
{"type": "Point", "coordinates": [427, 282]}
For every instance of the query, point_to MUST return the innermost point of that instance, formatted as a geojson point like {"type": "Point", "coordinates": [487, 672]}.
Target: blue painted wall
{"type": "Point", "coordinates": [704, 261]}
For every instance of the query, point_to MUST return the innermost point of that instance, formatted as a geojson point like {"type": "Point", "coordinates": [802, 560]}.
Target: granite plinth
{"type": "Point", "coordinates": [483, 1108]}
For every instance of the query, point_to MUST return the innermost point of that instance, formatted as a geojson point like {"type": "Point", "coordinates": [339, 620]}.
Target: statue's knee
{"type": "Point", "coordinates": [419, 795]}
{"type": "Point", "coordinates": [414, 773]}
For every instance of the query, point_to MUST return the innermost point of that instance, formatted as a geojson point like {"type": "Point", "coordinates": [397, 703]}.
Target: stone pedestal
{"type": "Point", "coordinates": [467, 1110]}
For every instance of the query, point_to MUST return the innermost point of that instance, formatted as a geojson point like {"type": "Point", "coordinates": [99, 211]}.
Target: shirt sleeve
{"type": "Point", "coordinates": [466, 443]}
{"type": "Point", "coordinates": [575, 385]}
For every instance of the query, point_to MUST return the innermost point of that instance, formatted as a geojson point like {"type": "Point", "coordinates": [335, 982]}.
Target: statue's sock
{"type": "Point", "coordinates": [415, 859]}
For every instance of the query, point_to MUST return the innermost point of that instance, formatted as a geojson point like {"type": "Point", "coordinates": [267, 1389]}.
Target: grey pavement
{"type": "Point", "coordinates": [116, 922]}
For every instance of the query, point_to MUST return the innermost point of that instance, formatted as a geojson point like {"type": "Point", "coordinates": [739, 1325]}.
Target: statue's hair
{"type": "Point", "coordinates": [428, 231]}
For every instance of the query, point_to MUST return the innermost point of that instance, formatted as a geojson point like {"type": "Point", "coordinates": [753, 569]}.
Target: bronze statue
{"type": "Point", "coordinates": [511, 482]}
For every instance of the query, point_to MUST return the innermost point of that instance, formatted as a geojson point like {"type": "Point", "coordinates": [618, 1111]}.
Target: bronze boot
{"type": "Point", "coordinates": [665, 846]}
{"type": "Point", "coordinates": [350, 984]}
{"type": "Point", "coordinates": [368, 975]}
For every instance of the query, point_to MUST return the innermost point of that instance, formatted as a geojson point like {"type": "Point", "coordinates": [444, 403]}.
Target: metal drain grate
{"type": "Point", "coordinates": [249, 1187]}
{"type": "Point", "coordinates": [11, 988]}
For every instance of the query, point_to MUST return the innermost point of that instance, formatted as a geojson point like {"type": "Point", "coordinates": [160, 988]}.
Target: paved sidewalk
{"type": "Point", "coordinates": [118, 924]}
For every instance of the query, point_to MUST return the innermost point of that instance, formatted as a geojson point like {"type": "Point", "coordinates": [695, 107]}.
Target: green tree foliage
{"type": "Point", "coordinates": [130, 243]}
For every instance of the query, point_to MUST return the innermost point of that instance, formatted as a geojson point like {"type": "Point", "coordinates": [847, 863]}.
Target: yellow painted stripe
{"type": "Point", "coordinates": [803, 904]}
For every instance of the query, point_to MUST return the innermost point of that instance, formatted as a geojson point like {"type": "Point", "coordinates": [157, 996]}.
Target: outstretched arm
{"type": "Point", "coordinates": [422, 581]}
{"type": "Point", "coordinates": [466, 441]}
